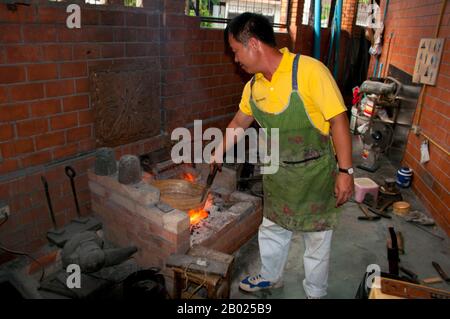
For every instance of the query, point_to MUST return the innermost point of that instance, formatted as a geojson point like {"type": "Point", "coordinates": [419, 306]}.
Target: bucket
{"type": "Point", "coordinates": [146, 284]}
{"type": "Point", "coordinates": [404, 177]}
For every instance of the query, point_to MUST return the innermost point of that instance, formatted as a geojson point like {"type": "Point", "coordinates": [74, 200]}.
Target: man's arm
{"type": "Point", "coordinates": [343, 146]}
{"type": "Point", "coordinates": [240, 120]}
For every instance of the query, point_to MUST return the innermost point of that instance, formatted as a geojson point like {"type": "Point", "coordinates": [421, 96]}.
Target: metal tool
{"type": "Point", "coordinates": [440, 272]}
{"type": "Point", "coordinates": [392, 252]}
{"type": "Point", "coordinates": [426, 230]}
{"type": "Point", "coordinates": [50, 208]}
{"type": "Point", "coordinates": [378, 212]}
{"type": "Point", "coordinates": [209, 182]}
{"type": "Point", "coordinates": [410, 274]}
{"type": "Point", "coordinates": [367, 217]}
{"type": "Point", "coordinates": [70, 172]}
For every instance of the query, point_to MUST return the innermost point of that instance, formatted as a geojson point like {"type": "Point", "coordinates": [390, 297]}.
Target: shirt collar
{"type": "Point", "coordinates": [284, 66]}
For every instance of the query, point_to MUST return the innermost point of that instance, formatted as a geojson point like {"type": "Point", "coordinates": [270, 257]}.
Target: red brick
{"type": "Point", "coordinates": [32, 127]}
{"type": "Point", "coordinates": [64, 121]}
{"type": "Point", "coordinates": [86, 51]}
{"type": "Point", "coordinates": [23, 92]}
{"type": "Point", "coordinates": [13, 112]}
{"type": "Point", "coordinates": [12, 74]}
{"type": "Point", "coordinates": [3, 96]}
{"type": "Point", "coordinates": [23, 53]}
{"type": "Point", "coordinates": [23, 146]}
{"type": "Point", "coordinates": [86, 145]}
{"type": "Point", "coordinates": [42, 72]}
{"type": "Point", "coordinates": [45, 107]}
{"type": "Point", "coordinates": [97, 34]}
{"type": "Point", "coordinates": [59, 88]}
{"type": "Point", "coordinates": [136, 19]}
{"type": "Point", "coordinates": [49, 140]}
{"type": "Point", "coordinates": [73, 103]}
{"type": "Point", "coordinates": [57, 52]}
{"type": "Point", "coordinates": [90, 17]}
{"type": "Point", "coordinates": [8, 165]}
{"type": "Point", "coordinates": [78, 133]}
{"type": "Point", "coordinates": [23, 14]}
{"type": "Point", "coordinates": [6, 132]}
{"type": "Point", "coordinates": [82, 85]}
{"type": "Point", "coordinates": [72, 70]}
{"type": "Point", "coordinates": [65, 151]}
{"type": "Point", "coordinates": [113, 50]}
{"type": "Point", "coordinates": [112, 18]}
{"type": "Point", "coordinates": [7, 150]}
{"type": "Point", "coordinates": [52, 15]}
{"type": "Point", "coordinates": [36, 159]}
{"type": "Point", "coordinates": [72, 35]}
{"type": "Point", "coordinates": [10, 34]}
{"type": "Point", "coordinates": [39, 33]}
{"type": "Point", "coordinates": [135, 49]}
{"type": "Point", "coordinates": [86, 117]}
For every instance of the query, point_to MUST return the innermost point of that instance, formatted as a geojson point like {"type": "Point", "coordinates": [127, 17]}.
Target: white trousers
{"type": "Point", "coordinates": [274, 243]}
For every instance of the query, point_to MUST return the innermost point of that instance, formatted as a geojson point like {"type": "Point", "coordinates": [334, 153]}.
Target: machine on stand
{"type": "Point", "coordinates": [378, 112]}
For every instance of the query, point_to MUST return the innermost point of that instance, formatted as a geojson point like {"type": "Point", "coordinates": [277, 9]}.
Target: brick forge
{"type": "Point", "coordinates": [134, 215]}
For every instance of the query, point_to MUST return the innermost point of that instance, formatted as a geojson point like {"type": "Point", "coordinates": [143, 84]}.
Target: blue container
{"type": "Point", "coordinates": [404, 177]}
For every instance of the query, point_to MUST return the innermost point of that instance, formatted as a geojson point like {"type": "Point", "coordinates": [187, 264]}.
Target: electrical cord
{"type": "Point", "coordinates": [23, 254]}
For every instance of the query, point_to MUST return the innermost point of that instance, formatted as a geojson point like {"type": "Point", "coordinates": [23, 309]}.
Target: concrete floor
{"type": "Point", "coordinates": [355, 245]}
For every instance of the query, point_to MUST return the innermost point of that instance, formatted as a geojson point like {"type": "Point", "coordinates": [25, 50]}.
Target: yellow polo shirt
{"type": "Point", "coordinates": [316, 86]}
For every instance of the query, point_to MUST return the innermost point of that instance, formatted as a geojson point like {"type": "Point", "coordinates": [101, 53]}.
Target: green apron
{"type": "Point", "coordinates": [300, 195]}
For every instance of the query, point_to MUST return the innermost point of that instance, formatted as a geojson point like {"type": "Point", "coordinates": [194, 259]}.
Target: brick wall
{"type": "Point", "coordinates": [410, 21]}
{"type": "Point", "coordinates": [46, 118]}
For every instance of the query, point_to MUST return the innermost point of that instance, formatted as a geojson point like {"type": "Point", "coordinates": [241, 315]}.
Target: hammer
{"type": "Point", "coordinates": [368, 216]}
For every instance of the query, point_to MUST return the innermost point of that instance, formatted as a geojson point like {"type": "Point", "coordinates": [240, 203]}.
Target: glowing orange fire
{"type": "Point", "coordinates": [189, 177]}
{"type": "Point", "coordinates": [198, 214]}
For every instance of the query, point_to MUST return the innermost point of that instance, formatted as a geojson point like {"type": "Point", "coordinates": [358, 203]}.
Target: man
{"type": "Point", "coordinates": [298, 95]}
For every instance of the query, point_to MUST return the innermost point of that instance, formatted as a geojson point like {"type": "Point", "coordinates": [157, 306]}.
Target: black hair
{"type": "Point", "coordinates": [247, 25]}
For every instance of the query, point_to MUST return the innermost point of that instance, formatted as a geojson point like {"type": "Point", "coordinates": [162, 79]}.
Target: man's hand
{"type": "Point", "coordinates": [214, 164]}
{"type": "Point", "coordinates": [343, 188]}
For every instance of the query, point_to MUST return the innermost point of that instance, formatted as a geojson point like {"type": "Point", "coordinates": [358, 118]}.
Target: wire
{"type": "Point", "coordinates": [22, 254]}
{"type": "Point", "coordinates": [187, 280]}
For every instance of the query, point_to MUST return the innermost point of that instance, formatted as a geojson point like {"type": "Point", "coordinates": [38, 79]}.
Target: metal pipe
{"type": "Point", "coordinates": [317, 14]}
{"type": "Point", "coordinates": [338, 11]}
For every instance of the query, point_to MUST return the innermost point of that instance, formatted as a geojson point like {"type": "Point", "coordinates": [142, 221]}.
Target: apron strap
{"type": "Point", "coordinates": [251, 87]}
{"type": "Point", "coordinates": [294, 73]}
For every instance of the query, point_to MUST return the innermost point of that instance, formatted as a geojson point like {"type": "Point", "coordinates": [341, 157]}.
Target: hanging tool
{"type": "Point", "coordinates": [441, 272]}
{"type": "Point", "coordinates": [368, 216]}
{"type": "Point", "coordinates": [70, 172]}
{"type": "Point", "coordinates": [50, 208]}
{"type": "Point", "coordinates": [209, 182]}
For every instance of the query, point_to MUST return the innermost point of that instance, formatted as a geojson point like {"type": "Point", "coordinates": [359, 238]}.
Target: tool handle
{"type": "Point", "coordinates": [212, 175]}
{"type": "Point", "coordinates": [364, 210]}
{"type": "Point", "coordinates": [386, 205]}
{"type": "Point", "coordinates": [375, 211]}
{"type": "Point", "coordinates": [440, 271]}
{"type": "Point", "coordinates": [49, 202]}
{"type": "Point", "coordinates": [70, 172]}
{"type": "Point", "coordinates": [409, 273]}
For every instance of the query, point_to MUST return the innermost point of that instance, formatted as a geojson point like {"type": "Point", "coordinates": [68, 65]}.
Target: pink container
{"type": "Point", "coordinates": [363, 186]}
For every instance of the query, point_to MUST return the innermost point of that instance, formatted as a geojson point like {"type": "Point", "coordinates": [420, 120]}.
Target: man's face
{"type": "Point", "coordinates": [245, 55]}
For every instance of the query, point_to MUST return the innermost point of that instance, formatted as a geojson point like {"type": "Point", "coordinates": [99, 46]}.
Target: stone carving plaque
{"type": "Point", "coordinates": [126, 102]}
